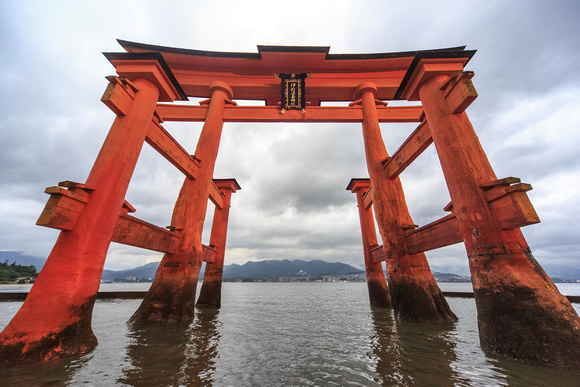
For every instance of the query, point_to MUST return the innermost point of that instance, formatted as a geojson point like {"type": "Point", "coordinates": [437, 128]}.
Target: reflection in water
{"type": "Point", "coordinates": [175, 353]}
{"type": "Point", "coordinates": [413, 354]}
{"type": "Point", "coordinates": [53, 373]}
{"type": "Point", "coordinates": [201, 350]}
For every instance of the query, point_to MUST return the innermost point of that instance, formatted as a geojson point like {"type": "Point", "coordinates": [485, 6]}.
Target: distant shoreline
{"type": "Point", "coordinates": [130, 295]}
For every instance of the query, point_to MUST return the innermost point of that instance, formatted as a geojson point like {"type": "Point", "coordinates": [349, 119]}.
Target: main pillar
{"type": "Point", "coordinates": [520, 311]}
{"type": "Point", "coordinates": [376, 282]}
{"type": "Point", "coordinates": [55, 319]}
{"type": "Point", "coordinates": [414, 293]}
{"type": "Point", "coordinates": [172, 293]}
{"type": "Point", "coordinates": [210, 294]}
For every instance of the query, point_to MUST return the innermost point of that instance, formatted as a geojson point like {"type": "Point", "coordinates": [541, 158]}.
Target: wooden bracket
{"type": "Point", "coordinates": [63, 208]}
{"type": "Point", "coordinates": [377, 253]}
{"type": "Point", "coordinates": [119, 95]}
{"type": "Point", "coordinates": [127, 208]}
{"type": "Point", "coordinates": [500, 182]}
{"type": "Point", "coordinates": [459, 91]}
{"type": "Point", "coordinates": [368, 198]}
{"type": "Point", "coordinates": [209, 253]}
{"type": "Point", "coordinates": [72, 185]}
{"type": "Point", "coordinates": [509, 204]}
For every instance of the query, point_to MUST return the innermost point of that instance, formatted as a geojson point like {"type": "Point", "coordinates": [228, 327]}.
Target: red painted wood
{"type": "Point", "coordinates": [272, 113]}
{"type": "Point", "coordinates": [412, 148]}
{"type": "Point", "coordinates": [168, 147]}
{"type": "Point", "coordinates": [138, 233]}
{"type": "Point", "coordinates": [414, 293]}
{"type": "Point", "coordinates": [376, 282]}
{"type": "Point", "coordinates": [520, 311]}
{"type": "Point", "coordinates": [172, 293]}
{"type": "Point", "coordinates": [55, 319]}
{"type": "Point", "coordinates": [210, 292]}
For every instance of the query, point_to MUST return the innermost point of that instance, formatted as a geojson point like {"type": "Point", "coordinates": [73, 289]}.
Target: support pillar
{"type": "Point", "coordinates": [172, 294]}
{"type": "Point", "coordinates": [377, 284]}
{"type": "Point", "coordinates": [520, 311]}
{"type": "Point", "coordinates": [55, 319]}
{"type": "Point", "coordinates": [414, 293]}
{"type": "Point", "coordinates": [210, 294]}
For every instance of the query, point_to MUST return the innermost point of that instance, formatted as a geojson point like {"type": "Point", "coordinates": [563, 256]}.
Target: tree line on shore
{"type": "Point", "coordinates": [10, 272]}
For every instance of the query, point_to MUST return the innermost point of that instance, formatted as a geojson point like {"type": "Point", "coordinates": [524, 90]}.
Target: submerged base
{"type": "Point", "coordinates": [415, 295]}
{"type": "Point", "coordinates": [522, 314]}
{"type": "Point", "coordinates": [210, 294]}
{"type": "Point", "coordinates": [39, 341]}
{"type": "Point", "coordinates": [378, 292]}
{"type": "Point", "coordinates": [171, 296]}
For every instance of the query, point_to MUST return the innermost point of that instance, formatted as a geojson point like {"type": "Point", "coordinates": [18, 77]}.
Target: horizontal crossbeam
{"type": "Point", "coordinates": [168, 147]}
{"type": "Point", "coordinates": [412, 148]}
{"type": "Point", "coordinates": [509, 203]}
{"type": "Point", "coordinates": [138, 233]}
{"type": "Point", "coordinates": [135, 232]}
{"type": "Point", "coordinates": [274, 114]}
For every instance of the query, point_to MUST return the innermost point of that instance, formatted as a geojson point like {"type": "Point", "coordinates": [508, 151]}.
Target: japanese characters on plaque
{"type": "Point", "coordinates": [293, 91]}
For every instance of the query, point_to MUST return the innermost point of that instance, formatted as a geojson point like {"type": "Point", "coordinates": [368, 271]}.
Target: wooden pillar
{"type": "Point", "coordinates": [172, 294]}
{"type": "Point", "coordinates": [210, 294]}
{"type": "Point", "coordinates": [55, 319]}
{"type": "Point", "coordinates": [414, 293]}
{"type": "Point", "coordinates": [521, 313]}
{"type": "Point", "coordinates": [377, 284]}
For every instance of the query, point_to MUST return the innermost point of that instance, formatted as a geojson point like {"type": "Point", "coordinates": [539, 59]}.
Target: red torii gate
{"type": "Point", "coordinates": [520, 311]}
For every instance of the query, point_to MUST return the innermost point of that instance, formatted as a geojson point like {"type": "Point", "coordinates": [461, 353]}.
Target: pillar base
{"type": "Point", "coordinates": [210, 294]}
{"type": "Point", "coordinates": [378, 292]}
{"type": "Point", "coordinates": [415, 294]}
{"type": "Point", "coordinates": [24, 346]}
{"type": "Point", "coordinates": [171, 297]}
{"type": "Point", "coordinates": [521, 313]}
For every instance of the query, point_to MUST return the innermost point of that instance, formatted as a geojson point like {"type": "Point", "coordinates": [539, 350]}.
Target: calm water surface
{"type": "Point", "coordinates": [281, 334]}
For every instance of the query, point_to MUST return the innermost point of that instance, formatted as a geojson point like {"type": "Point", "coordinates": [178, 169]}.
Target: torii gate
{"type": "Point", "coordinates": [520, 311]}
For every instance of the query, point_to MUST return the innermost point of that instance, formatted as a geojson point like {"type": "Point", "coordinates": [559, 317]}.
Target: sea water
{"type": "Point", "coordinates": [285, 334]}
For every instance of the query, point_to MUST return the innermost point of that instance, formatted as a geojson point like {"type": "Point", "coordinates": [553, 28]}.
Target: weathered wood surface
{"type": "Point", "coordinates": [168, 147]}
{"type": "Point", "coordinates": [119, 95]}
{"type": "Point", "coordinates": [412, 148]}
{"type": "Point", "coordinates": [273, 114]}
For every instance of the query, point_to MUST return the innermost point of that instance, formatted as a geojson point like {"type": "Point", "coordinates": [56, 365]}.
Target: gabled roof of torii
{"type": "Point", "coordinates": [332, 77]}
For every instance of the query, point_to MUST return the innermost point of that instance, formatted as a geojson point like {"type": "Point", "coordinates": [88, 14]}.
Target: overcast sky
{"type": "Point", "coordinates": [293, 203]}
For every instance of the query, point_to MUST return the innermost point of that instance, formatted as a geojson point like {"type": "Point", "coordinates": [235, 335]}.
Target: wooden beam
{"type": "Point", "coordinates": [65, 205]}
{"type": "Point", "coordinates": [168, 147]}
{"type": "Point", "coordinates": [273, 114]}
{"type": "Point", "coordinates": [138, 233]}
{"type": "Point", "coordinates": [209, 253]}
{"type": "Point", "coordinates": [119, 95]}
{"type": "Point", "coordinates": [378, 254]}
{"type": "Point", "coordinates": [368, 198]}
{"type": "Point", "coordinates": [413, 146]}
{"type": "Point", "coordinates": [459, 91]}
{"type": "Point", "coordinates": [441, 233]}
{"type": "Point", "coordinates": [63, 208]}
{"type": "Point", "coordinates": [509, 204]}
{"type": "Point", "coordinates": [216, 196]}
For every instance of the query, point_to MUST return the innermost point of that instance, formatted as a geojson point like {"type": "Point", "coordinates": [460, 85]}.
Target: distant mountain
{"type": "Point", "coordinates": [141, 272]}
{"type": "Point", "coordinates": [562, 272]}
{"type": "Point", "coordinates": [287, 268]}
{"type": "Point", "coordinates": [450, 277]}
{"type": "Point", "coordinates": [260, 269]}
{"type": "Point", "coordinates": [21, 259]}
{"type": "Point", "coordinates": [271, 268]}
